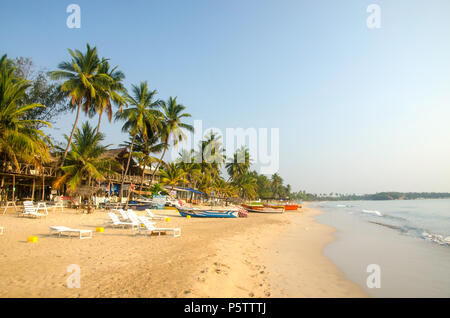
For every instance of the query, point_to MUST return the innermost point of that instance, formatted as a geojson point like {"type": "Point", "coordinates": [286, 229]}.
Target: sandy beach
{"type": "Point", "coordinates": [260, 256]}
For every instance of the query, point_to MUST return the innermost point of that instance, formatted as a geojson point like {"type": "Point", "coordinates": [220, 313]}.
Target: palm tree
{"type": "Point", "coordinates": [19, 137]}
{"type": "Point", "coordinates": [172, 125]}
{"type": "Point", "coordinates": [85, 160]}
{"type": "Point", "coordinates": [143, 148]}
{"type": "Point", "coordinates": [82, 81]}
{"type": "Point", "coordinates": [172, 175]}
{"type": "Point", "coordinates": [277, 183]}
{"type": "Point", "coordinates": [141, 118]}
{"type": "Point", "coordinates": [211, 155]}
{"type": "Point", "coordinates": [111, 92]}
{"type": "Point", "coordinates": [205, 183]}
{"type": "Point", "coordinates": [246, 185]}
{"type": "Point", "coordinates": [192, 169]}
{"type": "Point", "coordinates": [240, 164]}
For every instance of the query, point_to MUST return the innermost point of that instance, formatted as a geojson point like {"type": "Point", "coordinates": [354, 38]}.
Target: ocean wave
{"type": "Point", "coordinates": [437, 238]}
{"type": "Point", "coordinates": [391, 226]}
{"type": "Point", "coordinates": [372, 212]}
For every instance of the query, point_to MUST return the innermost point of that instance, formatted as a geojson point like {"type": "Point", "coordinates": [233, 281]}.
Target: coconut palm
{"type": "Point", "coordinates": [277, 184]}
{"type": "Point", "coordinates": [110, 94]}
{"type": "Point", "coordinates": [205, 183]}
{"type": "Point", "coordinates": [239, 164]}
{"type": "Point", "coordinates": [82, 82]}
{"type": "Point", "coordinates": [246, 185]}
{"type": "Point", "coordinates": [210, 155]}
{"type": "Point", "coordinates": [85, 161]}
{"type": "Point", "coordinates": [19, 137]}
{"type": "Point", "coordinates": [172, 175]}
{"type": "Point", "coordinates": [143, 150]}
{"type": "Point", "coordinates": [192, 169]}
{"type": "Point", "coordinates": [141, 118]}
{"type": "Point", "coordinates": [172, 125]}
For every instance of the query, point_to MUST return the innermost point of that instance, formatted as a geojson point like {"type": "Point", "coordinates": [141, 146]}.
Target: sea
{"type": "Point", "coordinates": [395, 248]}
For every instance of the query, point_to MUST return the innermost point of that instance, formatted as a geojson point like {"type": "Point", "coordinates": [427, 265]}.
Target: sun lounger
{"type": "Point", "coordinates": [30, 210]}
{"type": "Point", "coordinates": [123, 214]}
{"type": "Point", "coordinates": [59, 204]}
{"type": "Point", "coordinates": [116, 222]}
{"type": "Point", "coordinates": [149, 228]}
{"type": "Point", "coordinates": [151, 216]}
{"type": "Point", "coordinates": [66, 230]}
{"type": "Point", "coordinates": [134, 218]}
{"type": "Point", "coordinates": [1, 229]}
{"type": "Point", "coordinates": [9, 204]}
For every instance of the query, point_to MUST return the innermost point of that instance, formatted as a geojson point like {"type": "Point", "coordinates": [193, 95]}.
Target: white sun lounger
{"type": "Point", "coordinates": [151, 216]}
{"type": "Point", "coordinates": [31, 210]}
{"type": "Point", "coordinates": [1, 229]}
{"type": "Point", "coordinates": [63, 229]}
{"type": "Point", "coordinates": [59, 204]}
{"type": "Point", "coordinates": [116, 222]}
{"type": "Point", "coordinates": [149, 228]}
{"type": "Point", "coordinates": [133, 216]}
{"type": "Point", "coordinates": [123, 214]}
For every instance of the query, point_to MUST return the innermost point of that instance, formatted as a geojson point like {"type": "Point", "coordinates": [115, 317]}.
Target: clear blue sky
{"type": "Point", "coordinates": [359, 110]}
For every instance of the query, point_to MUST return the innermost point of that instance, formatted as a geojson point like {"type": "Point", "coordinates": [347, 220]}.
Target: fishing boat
{"type": "Point", "coordinates": [292, 207]}
{"type": "Point", "coordinates": [201, 213]}
{"type": "Point", "coordinates": [274, 206]}
{"type": "Point", "coordinates": [263, 209]}
{"type": "Point", "coordinates": [287, 206]}
{"type": "Point", "coordinates": [139, 205]}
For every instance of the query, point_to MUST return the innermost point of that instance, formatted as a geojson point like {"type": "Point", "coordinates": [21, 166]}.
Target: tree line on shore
{"type": "Point", "coordinates": [302, 195]}
{"type": "Point", "coordinates": [88, 84]}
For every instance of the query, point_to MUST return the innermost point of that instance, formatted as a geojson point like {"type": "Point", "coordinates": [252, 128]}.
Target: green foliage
{"type": "Point", "coordinates": [41, 91]}
{"type": "Point", "coordinates": [20, 138]}
{"type": "Point", "coordinates": [85, 161]}
{"type": "Point", "coordinates": [157, 189]}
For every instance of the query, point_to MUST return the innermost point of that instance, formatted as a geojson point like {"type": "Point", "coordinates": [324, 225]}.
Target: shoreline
{"type": "Point", "coordinates": [244, 257]}
{"type": "Point", "coordinates": [311, 273]}
{"type": "Point", "coordinates": [270, 265]}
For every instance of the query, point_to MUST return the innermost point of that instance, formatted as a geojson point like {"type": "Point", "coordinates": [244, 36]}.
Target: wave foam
{"type": "Point", "coordinates": [437, 238]}
{"type": "Point", "coordinates": [373, 212]}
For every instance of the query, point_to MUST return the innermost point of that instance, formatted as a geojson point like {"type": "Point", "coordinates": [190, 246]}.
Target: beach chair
{"type": "Point", "coordinates": [149, 227]}
{"type": "Point", "coordinates": [116, 222]}
{"type": "Point", "coordinates": [133, 217]}
{"type": "Point", "coordinates": [123, 214]}
{"type": "Point", "coordinates": [30, 210]}
{"type": "Point", "coordinates": [58, 204]}
{"type": "Point", "coordinates": [60, 230]}
{"type": "Point", "coordinates": [1, 230]}
{"type": "Point", "coordinates": [151, 216]}
{"type": "Point", "coordinates": [9, 204]}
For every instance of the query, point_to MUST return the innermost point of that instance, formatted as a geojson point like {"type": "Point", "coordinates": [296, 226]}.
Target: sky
{"type": "Point", "coordinates": [359, 110]}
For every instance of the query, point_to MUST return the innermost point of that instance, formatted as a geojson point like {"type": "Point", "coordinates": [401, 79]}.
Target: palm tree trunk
{"type": "Point", "coordinates": [99, 121]}
{"type": "Point", "coordinates": [126, 170]}
{"type": "Point", "coordinates": [166, 143]}
{"type": "Point", "coordinates": [71, 135]}
{"type": "Point", "coordinates": [142, 178]}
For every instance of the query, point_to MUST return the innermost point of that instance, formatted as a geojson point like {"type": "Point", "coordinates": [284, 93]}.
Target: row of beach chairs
{"type": "Point", "coordinates": [31, 210]}
{"type": "Point", "coordinates": [140, 224]}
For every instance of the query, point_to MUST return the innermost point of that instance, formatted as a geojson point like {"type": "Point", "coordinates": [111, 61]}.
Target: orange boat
{"type": "Point", "coordinates": [291, 206]}
{"type": "Point", "coordinates": [274, 206]}
{"type": "Point", "coordinates": [262, 209]}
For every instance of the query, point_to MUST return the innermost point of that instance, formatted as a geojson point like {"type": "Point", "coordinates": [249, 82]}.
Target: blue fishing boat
{"type": "Point", "coordinates": [139, 205]}
{"type": "Point", "coordinates": [208, 213]}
